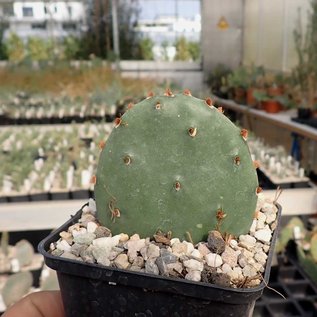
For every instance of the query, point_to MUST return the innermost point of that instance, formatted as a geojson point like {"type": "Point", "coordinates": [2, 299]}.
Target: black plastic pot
{"type": "Point", "coordinates": [304, 113]}
{"type": "Point", "coordinates": [95, 290]}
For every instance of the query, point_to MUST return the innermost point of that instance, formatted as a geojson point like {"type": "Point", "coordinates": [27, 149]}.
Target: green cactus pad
{"type": "Point", "coordinates": [176, 163]}
{"type": "Point", "coordinates": [16, 286]}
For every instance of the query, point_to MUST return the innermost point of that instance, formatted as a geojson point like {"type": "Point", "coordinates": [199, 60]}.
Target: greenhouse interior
{"type": "Point", "coordinates": [158, 158]}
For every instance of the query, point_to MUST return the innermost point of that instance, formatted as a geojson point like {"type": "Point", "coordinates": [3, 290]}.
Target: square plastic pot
{"type": "Point", "coordinates": [95, 290]}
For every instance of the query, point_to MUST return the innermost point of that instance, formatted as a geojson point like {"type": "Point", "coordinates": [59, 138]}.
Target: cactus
{"type": "Point", "coordinates": [16, 286]}
{"type": "Point", "coordinates": [287, 233]}
{"type": "Point", "coordinates": [24, 252]}
{"type": "Point", "coordinates": [176, 163]}
{"type": "Point", "coordinates": [48, 280]}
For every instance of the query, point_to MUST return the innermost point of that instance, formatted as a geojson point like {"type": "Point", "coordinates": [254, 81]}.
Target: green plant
{"type": "Point", "coordinates": [217, 79]}
{"type": "Point", "coordinates": [37, 49]}
{"type": "Point", "coordinates": [176, 163]}
{"type": "Point", "coordinates": [16, 286]}
{"type": "Point", "coordinates": [24, 252]}
{"type": "Point", "coordinates": [284, 100]}
{"type": "Point", "coordinates": [15, 48]}
{"type": "Point", "coordinates": [239, 78]}
{"type": "Point", "coordinates": [71, 47]}
{"type": "Point", "coordinates": [287, 233]}
{"type": "Point", "coordinates": [182, 50]}
{"type": "Point", "coordinates": [146, 49]}
{"type": "Point", "coordinates": [194, 50]}
{"type": "Point", "coordinates": [3, 50]}
{"type": "Point", "coordinates": [305, 72]}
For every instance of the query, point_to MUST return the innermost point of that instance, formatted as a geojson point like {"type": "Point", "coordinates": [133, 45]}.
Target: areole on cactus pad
{"type": "Point", "coordinates": [177, 164]}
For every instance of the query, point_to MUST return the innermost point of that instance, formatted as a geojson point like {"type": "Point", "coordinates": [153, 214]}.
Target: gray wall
{"type": "Point", "coordinates": [221, 46]}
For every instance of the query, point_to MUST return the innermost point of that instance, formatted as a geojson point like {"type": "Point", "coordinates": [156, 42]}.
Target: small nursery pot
{"type": "Point", "coordinates": [271, 106]}
{"type": "Point", "coordinates": [95, 290]}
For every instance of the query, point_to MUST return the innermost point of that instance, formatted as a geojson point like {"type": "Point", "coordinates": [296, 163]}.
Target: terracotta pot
{"type": "Point", "coordinates": [275, 91]}
{"type": "Point", "coordinates": [251, 101]}
{"type": "Point", "coordinates": [271, 106]}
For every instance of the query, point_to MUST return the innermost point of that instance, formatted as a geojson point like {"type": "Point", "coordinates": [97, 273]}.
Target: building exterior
{"type": "Point", "coordinates": [43, 18]}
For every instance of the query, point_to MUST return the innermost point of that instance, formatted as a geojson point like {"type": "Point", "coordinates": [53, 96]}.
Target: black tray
{"type": "Point", "coordinates": [289, 279]}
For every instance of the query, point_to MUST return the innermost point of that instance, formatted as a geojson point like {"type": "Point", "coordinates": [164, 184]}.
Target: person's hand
{"type": "Point", "coordinates": [38, 304]}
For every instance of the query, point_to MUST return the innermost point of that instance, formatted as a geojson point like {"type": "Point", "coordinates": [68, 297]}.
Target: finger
{"type": "Point", "coordinates": [39, 304]}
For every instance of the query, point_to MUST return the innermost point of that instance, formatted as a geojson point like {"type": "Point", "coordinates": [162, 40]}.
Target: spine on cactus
{"type": "Point", "coordinates": [176, 163]}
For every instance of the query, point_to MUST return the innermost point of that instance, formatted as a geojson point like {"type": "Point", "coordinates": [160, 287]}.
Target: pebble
{"type": "Point", "coordinates": [92, 206]}
{"type": "Point", "coordinates": [172, 267]}
{"type": "Point", "coordinates": [273, 225]}
{"type": "Point", "coordinates": [236, 273]}
{"type": "Point", "coordinates": [106, 242]}
{"type": "Point", "coordinates": [226, 268]}
{"type": "Point", "coordinates": [85, 238]}
{"type": "Point", "coordinates": [91, 227]}
{"type": "Point", "coordinates": [134, 246]}
{"type": "Point", "coordinates": [139, 261]}
{"type": "Point", "coordinates": [103, 260]}
{"type": "Point", "coordinates": [174, 240]}
{"type": "Point", "coordinates": [203, 249]}
{"type": "Point", "coordinates": [230, 256]}
{"type": "Point", "coordinates": [135, 237]}
{"type": "Point", "coordinates": [87, 256]}
{"type": "Point", "coordinates": [151, 267]}
{"type": "Point", "coordinates": [266, 248]}
{"type": "Point", "coordinates": [167, 256]}
{"type": "Point", "coordinates": [264, 235]}
{"type": "Point", "coordinates": [196, 254]}
{"type": "Point", "coordinates": [216, 243]}
{"type": "Point", "coordinates": [66, 236]}
{"type": "Point", "coordinates": [193, 265]}
{"type": "Point", "coordinates": [63, 245]}
{"type": "Point", "coordinates": [102, 232]}
{"type": "Point", "coordinates": [189, 247]}
{"type": "Point", "coordinates": [261, 216]}
{"type": "Point", "coordinates": [71, 256]}
{"type": "Point", "coordinates": [233, 243]}
{"type": "Point", "coordinates": [76, 232]}
{"type": "Point", "coordinates": [179, 248]}
{"type": "Point", "coordinates": [121, 261]}
{"type": "Point", "coordinates": [86, 218]}
{"type": "Point", "coordinates": [152, 252]}
{"type": "Point", "coordinates": [99, 253]}
{"type": "Point", "coordinates": [260, 257]}
{"type": "Point", "coordinates": [123, 237]}
{"type": "Point", "coordinates": [162, 266]}
{"type": "Point", "coordinates": [213, 260]}
{"type": "Point", "coordinates": [115, 251]}
{"type": "Point", "coordinates": [57, 252]}
{"type": "Point", "coordinates": [249, 271]}
{"type": "Point", "coordinates": [193, 276]}
{"type": "Point", "coordinates": [77, 249]}
{"type": "Point", "coordinates": [247, 241]}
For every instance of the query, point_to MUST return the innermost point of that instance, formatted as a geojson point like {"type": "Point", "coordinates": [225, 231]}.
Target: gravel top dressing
{"type": "Point", "coordinates": [226, 261]}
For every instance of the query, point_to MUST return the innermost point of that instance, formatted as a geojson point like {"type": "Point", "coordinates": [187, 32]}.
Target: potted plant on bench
{"type": "Point", "coordinates": [179, 229]}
